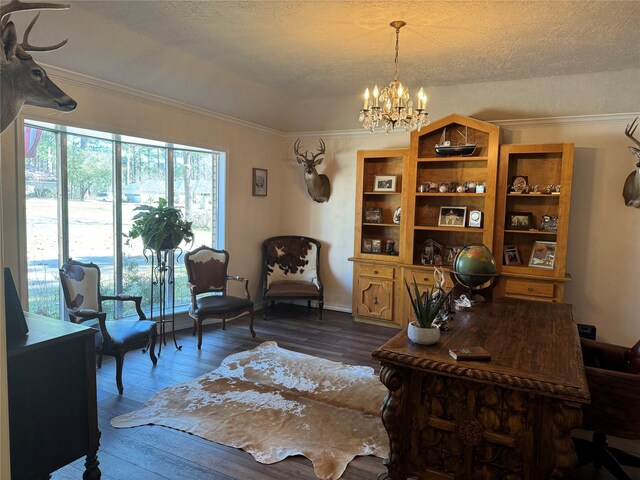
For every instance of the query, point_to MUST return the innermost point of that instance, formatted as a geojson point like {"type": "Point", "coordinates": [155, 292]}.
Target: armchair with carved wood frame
{"type": "Point", "coordinates": [207, 273]}
{"type": "Point", "coordinates": [291, 271]}
{"type": "Point", "coordinates": [83, 300]}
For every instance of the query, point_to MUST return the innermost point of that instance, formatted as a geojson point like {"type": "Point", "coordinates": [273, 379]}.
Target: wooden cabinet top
{"type": "Point", "coordinates": [534, 347]}
{"type": "Point", "coordinates": [44, 331]}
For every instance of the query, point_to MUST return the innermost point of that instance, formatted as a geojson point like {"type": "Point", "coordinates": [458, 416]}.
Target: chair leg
{"type": "Point", "coordinates": [199, 328]}
{"type": "Point", "coordinates": [308, 305]}
{"type": "Point", "coordinates": [253, 332]}
{"type": "Point", "coordinates": [625, 458]}
{"type": "Point", "coordinates": [610, 463]}
{"type": "Point", "coordinates": [320, 305]}
{"type": "Point", "coordinates": [195, 326]}
{"type": "Point", "coordinates": [119, 362]}
{"type": "Point", "coordinates": [99, 362]}
{"type": "Point", "coordinates": [152, 348]}
{"type": "Point", "coordinates": [224, 324]}
{"type": "Point", "coordinates": [265, 306]}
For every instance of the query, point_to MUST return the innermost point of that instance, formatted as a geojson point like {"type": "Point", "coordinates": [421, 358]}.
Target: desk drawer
{"type": "Point", "coordinates": [376, 271]}
{"type": "Point", "coordinates": [529, 288]}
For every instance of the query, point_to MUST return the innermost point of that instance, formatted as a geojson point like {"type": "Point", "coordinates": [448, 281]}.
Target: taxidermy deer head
{"type": "Point", "coordinates": [23, 81]}
{"type": "Point", "coordinates": [318, 185]}
{"type": "Point", "coordinates": [631, 189]}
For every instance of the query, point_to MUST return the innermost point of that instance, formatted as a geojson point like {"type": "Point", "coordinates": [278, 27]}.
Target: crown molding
{"type": "Point", "coordinates": [128, 93]}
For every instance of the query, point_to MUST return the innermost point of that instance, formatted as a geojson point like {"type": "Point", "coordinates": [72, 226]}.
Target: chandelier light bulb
{"type": "Point", "coordinates": [397, 106]}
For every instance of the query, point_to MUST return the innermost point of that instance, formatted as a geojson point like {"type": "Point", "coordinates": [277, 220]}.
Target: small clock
{"type": "Point", "coordinates": [475, 218]}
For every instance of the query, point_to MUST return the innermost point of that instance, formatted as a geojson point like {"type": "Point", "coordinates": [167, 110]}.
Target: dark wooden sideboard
{"type": "Point", "coordinates": [510, 417]}
{"type": "Point", "coordinates": [52, 399]}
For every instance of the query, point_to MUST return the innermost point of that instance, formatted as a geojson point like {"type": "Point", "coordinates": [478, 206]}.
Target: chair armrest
{"type": "Point", "coordinates": [127, 298]}
{"type": "Point", "coordinates": [88, 314]}
{"type": "Point", "coordinates": [241, 280]}
{"type": "Point", "coordinates": [605, 355]}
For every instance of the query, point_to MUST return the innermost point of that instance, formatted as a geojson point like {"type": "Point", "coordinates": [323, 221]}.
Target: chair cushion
{"type": "Point", "coordinates": [124, 333]}
{"type": "Point", "coordinates": [292, 288]}
{"type": "Point", "coordinates": [212, 305]}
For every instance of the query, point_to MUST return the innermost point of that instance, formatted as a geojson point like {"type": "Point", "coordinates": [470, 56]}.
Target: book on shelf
{"type": "Point", "coordinates": [470, 353]}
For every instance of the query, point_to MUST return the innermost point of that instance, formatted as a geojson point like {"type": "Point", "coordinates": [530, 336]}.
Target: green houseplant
{"type": "Point", "coordinates": [161, 227]}
{"type": "Point", "coordinates": [426, 308]}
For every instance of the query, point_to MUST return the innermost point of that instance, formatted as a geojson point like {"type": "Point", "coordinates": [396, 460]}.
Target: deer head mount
{"type": "Point", "coordinates": [631, 189]}
{"type": "Point", "coordinates": [318, 185]}
{"type": "Point", "coordinates": [23, 81]}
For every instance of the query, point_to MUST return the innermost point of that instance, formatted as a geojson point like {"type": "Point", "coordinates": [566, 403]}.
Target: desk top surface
{"type": "Point", "coordinates": [534, 346]}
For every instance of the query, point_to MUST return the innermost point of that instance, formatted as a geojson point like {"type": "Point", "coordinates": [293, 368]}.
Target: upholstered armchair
{"type": "Point", "coordinates": [207, 274]}
{"type": "Point", "coordinates": [83, 300]}
{"type": "Point", "coordinates": [613, 375]}
{"type": "Point", "coordinates": [291, 271]}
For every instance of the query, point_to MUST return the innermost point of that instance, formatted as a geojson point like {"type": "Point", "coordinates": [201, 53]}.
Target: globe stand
{"type": "Point", "coordinates": [474, 288]}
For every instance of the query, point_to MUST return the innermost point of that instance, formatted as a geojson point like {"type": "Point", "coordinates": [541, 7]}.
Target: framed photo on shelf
{"type": "Point", "coordinates": [372, 215]}
{"type": "Point", "coordinates": [549, 224]}
{"type": "Point", "coordinates": [450, 254]}
{"type": "Point", "coordinates": [366, 245]}
{"type": "Point", "coordinates": [543, 255]}
{"type": "Point", "coordinates": [376, 246]}
{"type": "Point", "coordinates": [452, 217]}
{"type": "Point", "coordinates": [259, 181]}
{"type": "Point", "coordinates": [519, 221]}
{"type": "Point", "coordinates": [384, 183]}
{"type": "Point", "coordinates": [511, 255]}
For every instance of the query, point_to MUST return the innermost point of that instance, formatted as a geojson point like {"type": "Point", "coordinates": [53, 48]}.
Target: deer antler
{"type": "Point", "coordinates": [631, 129]}
{"type": "Point", "coordinates": [311, 162]}
{"type": "Point", "coordinates": [18, 6]}
{"type": "Point", "coordinates": [30, 48]}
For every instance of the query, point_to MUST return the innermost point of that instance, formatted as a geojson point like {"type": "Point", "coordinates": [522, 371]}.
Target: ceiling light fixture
{"type": "Point", "coordinates": [393, 105]}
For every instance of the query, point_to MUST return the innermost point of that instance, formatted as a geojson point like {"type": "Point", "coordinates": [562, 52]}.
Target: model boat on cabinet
{"type": "Point", "coordinates": [445, 148]}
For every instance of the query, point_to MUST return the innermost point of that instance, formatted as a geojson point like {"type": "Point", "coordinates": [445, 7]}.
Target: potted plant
{"type": "Point", "coordinates": [161, 227]}
{"type": "Point", "coordinates": [426, 307]}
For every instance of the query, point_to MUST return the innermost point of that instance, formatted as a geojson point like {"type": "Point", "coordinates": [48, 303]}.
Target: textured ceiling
{"type": "Point", "coordinates": [317, 49]}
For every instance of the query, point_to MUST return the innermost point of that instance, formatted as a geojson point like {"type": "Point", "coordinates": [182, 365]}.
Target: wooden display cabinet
{"type": "Point", "coordinates": [547, 170]}
{"type": "Point", "coordinates": [379, 195]}
{"type": "Point", "coordinates": [426, 215]}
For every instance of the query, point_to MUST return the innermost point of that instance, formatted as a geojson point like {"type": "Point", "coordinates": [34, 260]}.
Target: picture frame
{"type": "Point", "coordinates": [543, 255]}
{"type": "Point", "coordinates": [450, 254]}
{"type": "Point", "coordinates": [366, 245]}
{"type": "Point", "coordinates": [372, 215]}
{"type": "Point", "coordinates": [430, 252]}
{"type": "Point", "coordinates": [548, 223]}
{"type": "Point", "coordinates": [384, 183]}
{"type": "Point", "coordinates": [519, 221]}
{"type": "Point", "coordinates": [259, 183]}
{"type": "Point", "coordinates": [511, 255]}
{"type": "Point", "coordinates": [451, 216]}
{"type": "Point", "coordinates": [376, 246]}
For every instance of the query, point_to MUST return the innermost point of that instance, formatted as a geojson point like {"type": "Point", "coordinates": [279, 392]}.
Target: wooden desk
{"type": "Point", "coordinates": [507, 418]}
{"type": "Point", "coordinates": [52, 399]}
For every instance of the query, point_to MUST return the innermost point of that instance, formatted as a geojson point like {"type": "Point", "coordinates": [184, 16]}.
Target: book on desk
{"type": "Point", "coordinates": [470, 353]}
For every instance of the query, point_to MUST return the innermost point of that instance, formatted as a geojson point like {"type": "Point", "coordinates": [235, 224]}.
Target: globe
{"type": "Point", "coordinates": [474, 266]}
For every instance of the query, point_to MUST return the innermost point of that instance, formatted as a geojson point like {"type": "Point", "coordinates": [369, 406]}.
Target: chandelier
{"type": "Point", "coordinates": [393, 105]}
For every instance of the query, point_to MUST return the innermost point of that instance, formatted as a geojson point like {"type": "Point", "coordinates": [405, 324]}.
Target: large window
{"type": "Point", "coordinates": [82, 188]}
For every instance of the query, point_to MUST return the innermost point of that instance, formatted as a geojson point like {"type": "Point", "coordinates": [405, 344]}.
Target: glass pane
{"type": "Point", "coordinates": [143, 182]}
{"type": "Point", "coordinates": [91, 226]}
{"type": "Point", "coordinates": [195, 195]}
{"type": "Point", "coordinates": [42, 221]}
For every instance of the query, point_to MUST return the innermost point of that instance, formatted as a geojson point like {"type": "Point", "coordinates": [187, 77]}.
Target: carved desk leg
{"type": "Point", "coordinates": [394, 422]}
{"type": "Point", "coordinates": [92, 472]}
{"type": "Point", "coordinates": [564, 417]}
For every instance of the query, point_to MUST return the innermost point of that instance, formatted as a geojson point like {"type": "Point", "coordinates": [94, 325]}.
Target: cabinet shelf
{"type": "Point", "coordinates": [382, 193]}
{"type": "Point", "coordinates": [448, 194]}
{"type": "Point", "coordinates": [533, 195]}
{"type": "Point", "coordinates": [448, 229]}
{"type": "Point", "coordinates": [453, 159]}
{"type": "Point", "coordinates": [531, 232]}
{"type": "Point", "coordinates": [394, 225]}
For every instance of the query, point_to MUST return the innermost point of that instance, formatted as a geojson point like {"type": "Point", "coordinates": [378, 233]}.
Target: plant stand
{"type": "Point", "coordinates": [162, 277]}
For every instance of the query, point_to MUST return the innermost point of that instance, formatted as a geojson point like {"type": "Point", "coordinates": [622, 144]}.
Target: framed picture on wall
{"type": "Point", "coordinates": [259, 181]}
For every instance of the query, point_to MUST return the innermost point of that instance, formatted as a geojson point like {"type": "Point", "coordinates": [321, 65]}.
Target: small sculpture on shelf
{"type": "Point", "coordinates": [549, 224]}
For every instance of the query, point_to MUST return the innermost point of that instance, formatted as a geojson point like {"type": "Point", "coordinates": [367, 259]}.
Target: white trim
{"type": "Point", "coordinates": [129, 93]}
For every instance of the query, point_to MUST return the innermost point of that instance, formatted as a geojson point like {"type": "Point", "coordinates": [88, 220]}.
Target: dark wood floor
{"type": "Point", "coordinates": [154, 453]}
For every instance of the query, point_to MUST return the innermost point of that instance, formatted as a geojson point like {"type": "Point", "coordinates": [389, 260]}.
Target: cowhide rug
{"type": "Point", "coordinates": [274, 403]}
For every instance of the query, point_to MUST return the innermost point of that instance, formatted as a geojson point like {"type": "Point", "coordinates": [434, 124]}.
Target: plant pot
{"type": "Point", "coordinates": [423, 336]}
{"type": "Point", "coordinates": [169, 242]}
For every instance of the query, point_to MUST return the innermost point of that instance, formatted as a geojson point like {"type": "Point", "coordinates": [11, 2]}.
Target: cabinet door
{"type": "Point", "coordinates": [375, 298]}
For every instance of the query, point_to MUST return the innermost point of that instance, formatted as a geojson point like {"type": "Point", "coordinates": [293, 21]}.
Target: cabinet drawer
{"type": "Point", "coordinates": [529, 288]}
{"type": "Point", "coordinates": [377, 271]}
{"type": "Point", "coordinates": [426, 278]}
